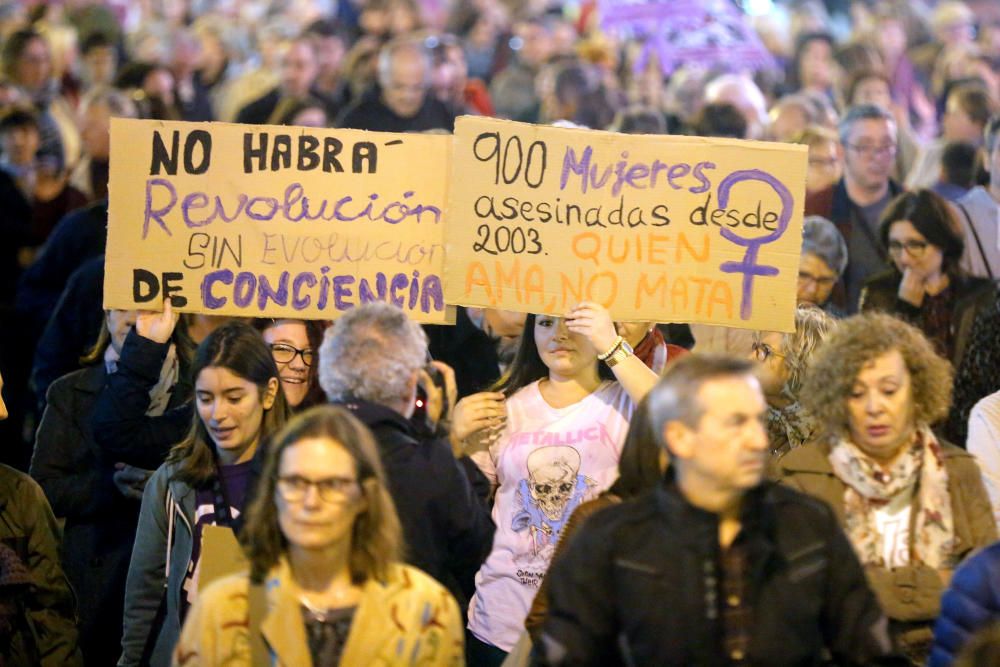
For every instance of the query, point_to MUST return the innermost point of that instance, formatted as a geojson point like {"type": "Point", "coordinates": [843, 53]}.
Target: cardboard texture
{"type": "Point", "coordinates": [221, 555]}
{"type": "Point", "coordinates": [263, 221]}
{"type": "Point", "coordinates": [655, 228]}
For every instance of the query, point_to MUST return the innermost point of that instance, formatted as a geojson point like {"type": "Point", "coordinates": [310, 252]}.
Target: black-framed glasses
{"type": "Point", "coordinates": [294, 488]}
{"type": "Point", "coordinates": [916, 249]}
{"type": "Point", "coordinates": [819, 281]}
{"type": "Point", "coordinates": [763, 351]}
{"type": "Point", "coordinates": [283, 353]}
{"type": "Point", "coordinates": [869, 150]}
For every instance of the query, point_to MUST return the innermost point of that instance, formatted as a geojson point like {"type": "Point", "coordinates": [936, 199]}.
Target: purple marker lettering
{"type": "Point", "coordinates": [749, 266]}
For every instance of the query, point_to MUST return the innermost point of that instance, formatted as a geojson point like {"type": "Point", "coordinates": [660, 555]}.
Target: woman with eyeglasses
{"type": "Point", "coordinates": [326, 585]}
{"type": "Point", "coordinates": [926, 286]}
{"type": "Point", "coordinates": [205, 481]}
{"type": "Point", "coordinates": [822, 263]}
{"type": "Point", "coordinates": [295, 347]}
{"type": "Point", "coordinates": [784, 358]}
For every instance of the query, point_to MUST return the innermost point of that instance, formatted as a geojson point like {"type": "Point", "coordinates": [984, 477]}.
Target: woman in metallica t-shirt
{"type": "Point", "coordinates": [553, 434]}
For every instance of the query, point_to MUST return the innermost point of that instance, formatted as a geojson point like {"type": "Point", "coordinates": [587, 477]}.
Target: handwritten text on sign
{"type": "Point", "coordinates": [275, 221]}
{"type": "Point", "coordinates": [673, 229]}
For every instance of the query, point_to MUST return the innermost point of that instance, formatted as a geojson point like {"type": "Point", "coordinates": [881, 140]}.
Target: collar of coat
{"type": "Point", "coordinates": [698, 529]}
{"type": "Point", "coordinates": [376, 623]}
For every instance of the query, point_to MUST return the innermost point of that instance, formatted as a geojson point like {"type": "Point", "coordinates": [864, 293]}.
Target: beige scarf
{"type": "Point", "coordinates": [870, 487]}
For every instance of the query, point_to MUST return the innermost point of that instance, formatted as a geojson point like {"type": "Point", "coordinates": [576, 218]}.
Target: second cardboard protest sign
{"type": "Point", "coordinates": [656, 228]}
{"type": "Point", "coordinates": [275, 221]}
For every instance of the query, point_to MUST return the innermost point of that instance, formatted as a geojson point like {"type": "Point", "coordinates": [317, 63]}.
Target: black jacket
{"type": "Point", "coordinates": [834, 204]}
{"type": "Point", "coordinates": [120, 425]}
{"type": "Point", "coordinates": [470, 352]}
{"type": "Point", "coordinates": [370, 113]}
{"type": "Point", "coordinates": [100, 521]}
{"type": "Point", "coordinates": [970, 296]}
{"type": "Point", "coordinates": [79, 236]}
{"type": "Point", "coordinates": [638, 585]}
{"type": "Point", "coordinates": [72, 329]}
{"type": "Point", "coordinates": [447, 527]}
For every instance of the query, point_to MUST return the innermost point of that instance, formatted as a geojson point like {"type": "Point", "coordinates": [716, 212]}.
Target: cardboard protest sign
{"type": "Point", "coordinates": [671, 229]}
{"type": "Point", "coordinates": [221, 555]}
{"type": "Point", "coordinates": [275, 221]}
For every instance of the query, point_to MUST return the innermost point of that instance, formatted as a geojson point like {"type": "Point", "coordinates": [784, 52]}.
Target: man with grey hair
{"type": "Point", "coordinates": [855, 203]}
{"type": "Point", "coordinates": [715, 566]}
{"type": "Point", "coordinates": [401, 101]}
{"type": "Point", "coordinates": [371, 362]}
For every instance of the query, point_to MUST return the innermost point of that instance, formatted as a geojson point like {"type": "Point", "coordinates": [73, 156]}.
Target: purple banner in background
{"type": "Point", "coordinates": [712, 33]}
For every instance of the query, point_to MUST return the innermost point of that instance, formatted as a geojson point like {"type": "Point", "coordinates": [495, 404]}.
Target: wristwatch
{"type": "Point", "coordinates": [621, 353]}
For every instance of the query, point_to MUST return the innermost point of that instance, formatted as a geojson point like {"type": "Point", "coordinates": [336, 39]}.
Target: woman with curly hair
{"type": "Point", "coordinates": [913, 507]}
{"type": "Point", "coordinates": [784, 358]}
{"type": "Point", "coordinates": [325, 576]}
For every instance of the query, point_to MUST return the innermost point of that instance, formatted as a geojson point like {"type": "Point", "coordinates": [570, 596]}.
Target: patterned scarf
{"type": "Point", "coordinates": [789, 427]}
{"type": "Point", "coordinates": [870, 487]}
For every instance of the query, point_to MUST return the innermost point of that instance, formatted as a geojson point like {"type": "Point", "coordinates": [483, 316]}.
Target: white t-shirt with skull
{"type": "Point", "coordinates": [545, 462]}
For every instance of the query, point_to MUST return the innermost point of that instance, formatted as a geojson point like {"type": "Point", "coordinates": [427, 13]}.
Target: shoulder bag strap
{"type": "Point", "coordinates": [979, 243]}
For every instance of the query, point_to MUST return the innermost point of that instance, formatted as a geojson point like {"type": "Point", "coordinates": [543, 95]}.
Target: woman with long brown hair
{"type": "Point", "coordinates": [325, 574]}
{"type": "Point", "coordinates": [204, 481]}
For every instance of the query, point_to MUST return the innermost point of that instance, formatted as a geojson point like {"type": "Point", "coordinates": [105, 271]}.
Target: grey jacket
{"type": "Point", "coordinates": [161, 553]}
{"type": "Point", "coordinates": [983, 213]}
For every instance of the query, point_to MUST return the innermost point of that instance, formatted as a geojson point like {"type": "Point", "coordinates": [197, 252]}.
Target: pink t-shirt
{"type": "Point", "coordinates": [545, 463]}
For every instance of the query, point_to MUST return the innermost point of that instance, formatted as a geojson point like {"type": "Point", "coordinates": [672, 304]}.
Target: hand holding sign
{"type": "Point", "coordinates": [157, 326]}
{"type": "Point", "coordinates": [593, 322]}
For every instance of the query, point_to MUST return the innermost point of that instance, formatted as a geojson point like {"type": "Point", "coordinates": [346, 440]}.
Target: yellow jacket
{"type": "Point", "coordinates": [410, 619]}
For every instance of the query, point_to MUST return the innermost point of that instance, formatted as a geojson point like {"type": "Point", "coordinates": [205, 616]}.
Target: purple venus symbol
{"type": "Point", "coordinates": [749, 266]}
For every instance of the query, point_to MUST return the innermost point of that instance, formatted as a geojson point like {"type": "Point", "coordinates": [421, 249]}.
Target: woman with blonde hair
{"type": "Point", "coordinates": [325, 575]}
{"type": "Point", "coordinates": [784, 358]}
{"type": "Point", "coordinates": [912, 506]}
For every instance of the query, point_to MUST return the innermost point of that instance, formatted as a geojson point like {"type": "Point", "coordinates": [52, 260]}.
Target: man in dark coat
{"type": "Point", "coordinates": [401, 102]}
{"type": "Point", "coordinates": [371, 362]}
{"type": "Point", "coordinates": [855, 202]}
{"type": "Point", "coordinates": [298, 73]}
{"type": "Point", "coordinates": [715, 566]}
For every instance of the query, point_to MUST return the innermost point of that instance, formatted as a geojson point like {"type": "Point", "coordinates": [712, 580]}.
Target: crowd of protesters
{"type": "Point", "coordinates": [549, 489]}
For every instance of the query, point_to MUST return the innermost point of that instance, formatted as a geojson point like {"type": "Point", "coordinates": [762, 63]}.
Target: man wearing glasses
{"type": "Point", "coordinates": [855, 203]}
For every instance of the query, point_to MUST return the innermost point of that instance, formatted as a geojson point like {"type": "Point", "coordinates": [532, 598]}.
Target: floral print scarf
{"type": "Point", "coordinates": [871, 486]}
